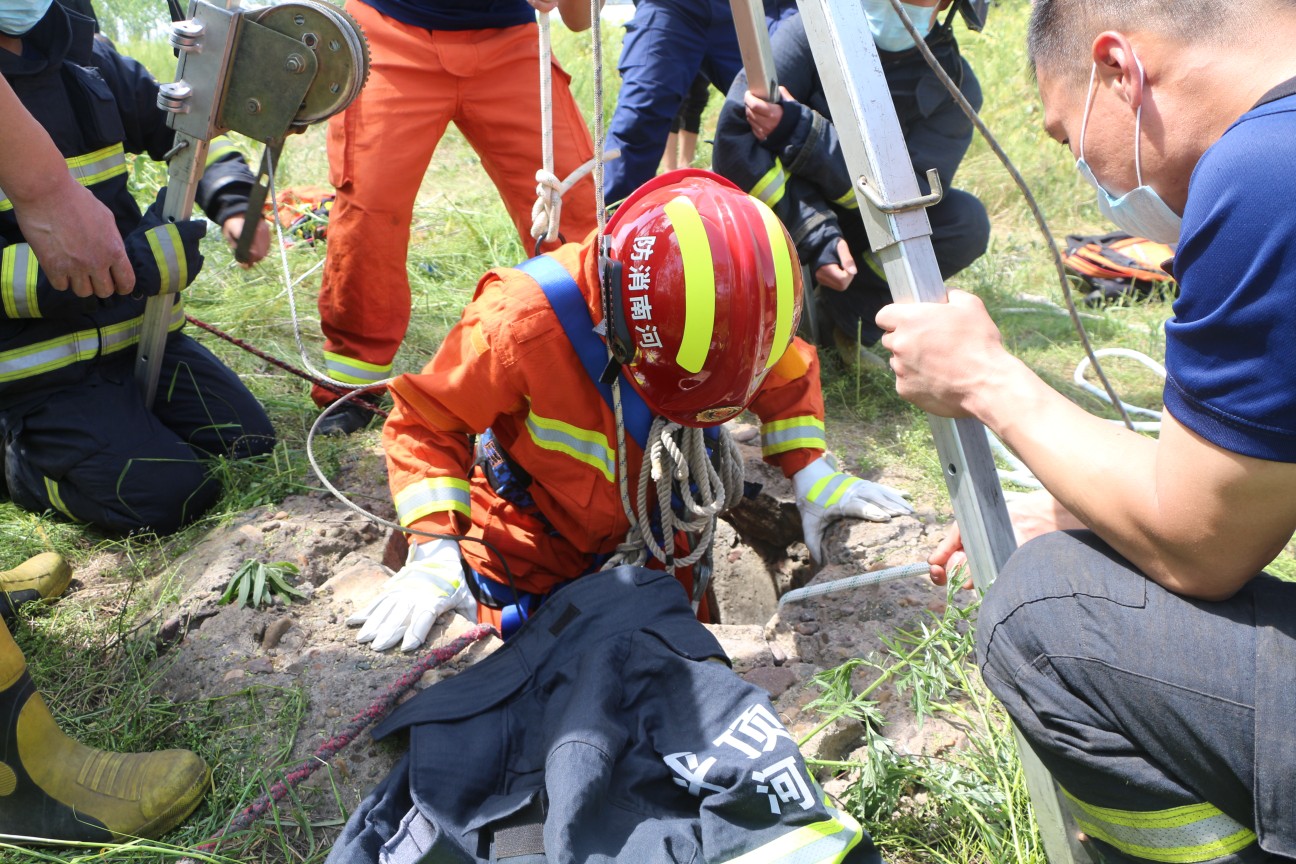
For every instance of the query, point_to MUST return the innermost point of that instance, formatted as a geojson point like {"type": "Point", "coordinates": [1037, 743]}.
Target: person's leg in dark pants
{"type": "Point", "coordinates": [1142, 704]}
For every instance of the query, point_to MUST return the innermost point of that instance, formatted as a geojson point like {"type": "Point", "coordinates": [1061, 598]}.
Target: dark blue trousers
{"type": "Point", "coordinates": [94, 453]}
{"type": "Point", "coordinates": [1170, 723]}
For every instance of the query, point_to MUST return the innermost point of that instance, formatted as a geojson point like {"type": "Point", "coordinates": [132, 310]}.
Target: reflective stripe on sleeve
{"type": "Point", "coordinates": [350, 371]}
{"type": "Point", "coordinates": [1181, 835]}
{"type": "Point", "coordinates": [770, 188]}
{"type": "Point", "coordinates": [89, 169]}
{"type": "Point", "coordinates": [582, 445]}
{"type": "Point", "coordinates": [18, 272]}
{"type": "Point", "coordinates": [220, 147]}
{"type": "Point", "coordinates": [168, 252]}
{"type": "Point", "coordinates": [432, 495]}
{"type": "Point", "coordinates": [848, 200]}
{"type": "Point", "coordinates": [794, 433]}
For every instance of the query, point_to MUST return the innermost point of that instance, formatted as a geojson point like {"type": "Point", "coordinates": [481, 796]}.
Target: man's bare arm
{"type": "Point", "coordinates": [72, 235]}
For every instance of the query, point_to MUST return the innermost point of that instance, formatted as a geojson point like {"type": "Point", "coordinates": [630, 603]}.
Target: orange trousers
{"type": "Point", "coordinates": [488, 83]}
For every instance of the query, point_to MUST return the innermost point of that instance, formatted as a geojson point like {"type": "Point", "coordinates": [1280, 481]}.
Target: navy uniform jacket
{"type": "Point", "coordinates": [97, 106]}
{"type": "Point", "coordinates": [608, 729]}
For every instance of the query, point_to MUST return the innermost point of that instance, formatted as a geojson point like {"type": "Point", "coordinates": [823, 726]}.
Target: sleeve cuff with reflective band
{"type": "Point", "coordinates": [219, 148]}
{"type": "Point", "coordinates": [830, 489]}
{"type": "Point", "coordinates": [793, 433]}
{"type": "Point", "coordinates": [1193, 834]}
{"type": "Point", "coordinates": [770, 188]}
{"type": "Point", "coordinates": [826, 842]}
{"type": "Point", "coordinates": [18, 272]}
{"type": "Point", "coordinates": [350, 371]}
{"type": "Point", "coordinates": [433, 495]}
{"type": "Point", "coordinates": [169, 253]}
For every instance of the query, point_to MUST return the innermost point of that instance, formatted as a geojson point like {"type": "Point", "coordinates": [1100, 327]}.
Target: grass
{"type": "Point", "coordinates": [967, 807]}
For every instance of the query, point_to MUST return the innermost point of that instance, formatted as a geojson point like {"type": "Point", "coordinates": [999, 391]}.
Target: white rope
{"type": "Point", "coordinates": [676, 464]}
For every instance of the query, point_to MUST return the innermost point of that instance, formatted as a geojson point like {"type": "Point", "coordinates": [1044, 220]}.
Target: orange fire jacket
{"type": "Point", "coordinates": [508, 366]}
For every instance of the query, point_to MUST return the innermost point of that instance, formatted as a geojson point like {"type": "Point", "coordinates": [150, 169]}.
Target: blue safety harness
{"type": "Point", "coordinates": [506, 478]}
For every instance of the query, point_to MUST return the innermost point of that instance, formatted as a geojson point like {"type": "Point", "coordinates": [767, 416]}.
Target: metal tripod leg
{"type": "Point", "coordinates": [893, 209]}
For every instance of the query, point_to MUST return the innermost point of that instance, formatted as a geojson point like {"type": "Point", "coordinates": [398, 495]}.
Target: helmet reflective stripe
{"type": "Point", "coordinates": [351, 371]}
{"type": "Point", "coordinates": [18, 271]}
{"type": "Point", "coordinates": [89, 169]}
{"type": "Point", "coordinates": [783, 281]}
{"type": "Point", "coordinates": [794, 433]}
{"type": "Point", "coordinates": [699, 284]}
{"type": "Point", "coordinates": [1181, 835]}
{"type": "Point", "coordinates": [168, 252]}
{"type": "Point", "coordinates": [582, 445]}
{"type": "Point", "coordinates": [432, 495]}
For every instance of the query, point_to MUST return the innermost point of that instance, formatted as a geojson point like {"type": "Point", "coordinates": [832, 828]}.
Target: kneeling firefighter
{"type": "Point", "coordinates": [693, 290]}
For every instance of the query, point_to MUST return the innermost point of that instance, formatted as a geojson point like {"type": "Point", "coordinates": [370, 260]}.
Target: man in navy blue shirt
{"type": "Point", "coordinates": [1143, 653]}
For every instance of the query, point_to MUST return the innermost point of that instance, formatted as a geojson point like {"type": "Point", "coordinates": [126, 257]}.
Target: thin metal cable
{"type": "Point", "coordinates": [1036, 212]}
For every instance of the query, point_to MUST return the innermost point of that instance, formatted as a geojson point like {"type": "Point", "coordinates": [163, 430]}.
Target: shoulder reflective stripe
{"type": "Point", "coordinates": [56, 499]}
{"type": "Point", "coordinates": [770, 188]}
{"type": "Point", "coordinates": [168, 252]}
{"type": "Point", "coordinates": [18, 272]}
{"type": "Point", "coordinates": [582, 445]}
{"type": "Point", "coordinates": [219, 147]}
{"type": "Point", "coordinates": [794, 433]}
{"type": "Point", "coordinates": [783, 280]}
{"type": "Point", "coordinates": [848, 200]}
{"type": "Point", "coordinates": [352, 371]}
{"type": "Point", "coordinates": [699, 284]}
{"type": "Point", "coordinates": [89, 169]}
{"type": "Point", "coordinates": [432, 495]}
{"type": "Point", "coordinates": [830, 489]}
{"type": "Point", "coordinates": [1181, 835]}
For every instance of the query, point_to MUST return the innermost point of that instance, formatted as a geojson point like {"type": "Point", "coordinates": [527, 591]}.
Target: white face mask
{"type": "Point", "coordinates": [888, 30]}
{"type": "Point", "coordinates": [1142, 212]}
{"type": "Point", "coordinates": [19, 16]}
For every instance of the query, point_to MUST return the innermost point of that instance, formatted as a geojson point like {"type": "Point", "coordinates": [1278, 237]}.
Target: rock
{"type": "Point", "coordinates": [770, 520]}
{"type": "Point", "coordinates": [260, 665]}
{"type": "Point", "coordinates": [744, 645]}
{"type": "Point", "coordinates": [774, 679]}
{"type": "Point", "coordinates": [833, 742]}
{"type": "Point", "coordinates": [355, 586]}
{"type": "Point", "coordinates": [275, 631]}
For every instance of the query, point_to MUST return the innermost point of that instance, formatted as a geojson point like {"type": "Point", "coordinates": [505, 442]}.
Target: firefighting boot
{"type": "Point", "coordinates": [41, 578]}
{"type": "Point", "coordinates": [55, 789]}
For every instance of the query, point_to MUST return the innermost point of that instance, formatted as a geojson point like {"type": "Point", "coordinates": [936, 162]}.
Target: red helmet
{"type": "Point", "coordinates": [702, 289]}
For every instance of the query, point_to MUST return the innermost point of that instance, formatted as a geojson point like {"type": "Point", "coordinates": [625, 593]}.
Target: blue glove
{"type": "Point", "coordinates": [825, 495]}
{"type": "Point", "coordinates": [164, 254]}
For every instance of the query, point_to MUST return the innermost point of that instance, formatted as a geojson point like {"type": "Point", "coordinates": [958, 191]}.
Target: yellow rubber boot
{"type": "Point", "coordinates": [41, 578]}
{"type": "Point", "coordinates": [54, 789]}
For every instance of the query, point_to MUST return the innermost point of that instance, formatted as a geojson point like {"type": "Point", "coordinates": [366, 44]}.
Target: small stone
{"type": "Point", "coordinates": [332, 712]}
{"type": "Point", "coordinates": [281, 515]}
{"type": "Point", "coordinates": [260, 665]}
{"type": "Point", "coordinates": [270, 526]}
{"type": "Point", "coordinates": [807, 628]}
{"type": "Point", "coordinates": [774, 680]}
{"type": "Point", "coordinates": [779, 655]}
{"type": "Point", "coordinates": [233, 675]}
{"type": "Point", "coordinates": [275, 631]}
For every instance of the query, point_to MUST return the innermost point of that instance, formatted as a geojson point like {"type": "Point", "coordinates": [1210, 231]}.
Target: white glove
{"type": "Point", "coordinates": [430, 583]}
{"type": "Point", "coordinates": [825, 495]}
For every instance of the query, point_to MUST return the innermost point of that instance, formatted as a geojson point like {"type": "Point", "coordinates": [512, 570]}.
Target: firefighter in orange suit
{"type": "Point", "coordinates": [433, 62]}
{"type": "Point", "coordinates": [694, 285]}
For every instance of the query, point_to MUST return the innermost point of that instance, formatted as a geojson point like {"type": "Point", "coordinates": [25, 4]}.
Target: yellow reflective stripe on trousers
{"type": "Point", "coordinates": [783, 282]}
{"type": "Point", "coordinates": [89, 169]}
{"type": "Point", "coordinates": [794, 433]}
{"type": "Point", "coordinates": [826, 842]}
{"type": "Point", "coordinates": [582, 445]}
{"type": "Point", "coordinates": [432, 495]}
{"type": "Point", "coordinates": [350, 371]}
{"type": "Point", "coordinates": [1181, 835]}
{"type": "Point", "coordinates": [168, 252]}
{"type": "Point", "coordinates": [830, 489]}
{"type": "Point", "coordinates": [56, 499]}
{"type": "Point", "coordinates": [50, 354]}
{"type": "Point", "coordinates": [770, 188]}
{"type": "Point", "coordinates": [699, 284]}
{"type": "Point", "coordinates": [18, 272]}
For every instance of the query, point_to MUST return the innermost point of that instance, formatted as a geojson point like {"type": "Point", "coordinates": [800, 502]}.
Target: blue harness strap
{"type": "Point", "coordinates": [568, 303]}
